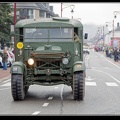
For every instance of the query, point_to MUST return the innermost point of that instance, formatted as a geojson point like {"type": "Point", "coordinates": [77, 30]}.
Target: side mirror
{"type": "Point", "coordinates": [86, 36]}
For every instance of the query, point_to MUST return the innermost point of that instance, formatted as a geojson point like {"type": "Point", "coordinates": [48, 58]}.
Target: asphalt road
{"type": "Point", "coordinates": [102, 93]}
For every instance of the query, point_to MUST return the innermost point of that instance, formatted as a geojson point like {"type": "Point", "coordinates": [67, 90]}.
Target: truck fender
{"type": "Point", "coordinates": [18, 68]}
{"type": "Point", "coordinates": [79, 66]}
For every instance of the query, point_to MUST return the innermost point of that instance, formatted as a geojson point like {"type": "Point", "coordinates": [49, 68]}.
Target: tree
{"type": "Point", "coordinates": [6, 19]}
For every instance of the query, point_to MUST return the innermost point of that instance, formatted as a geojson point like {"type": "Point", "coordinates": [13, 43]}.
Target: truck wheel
{"type": "Point", "coordinates": [17, 87]}
{"type": "Point", "coordinates": [78, 85]}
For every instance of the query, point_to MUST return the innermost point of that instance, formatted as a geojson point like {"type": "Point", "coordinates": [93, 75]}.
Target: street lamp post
{"type": "Point", "coordinates": [112, 26]}
{"type": "Point", "coordinates": [115, 13]}
{"type": "Point", "coordinates": [115, 16]}
{"type": "Point", "coordinates": [103, 37]}
{"type": "Point", "coordinates": [61, 9]}
{"type": "Point", "coordinates": [71, 6]}
{"type": "Point", "coordinates": [101, 34]}
{"type": "Point", "coordinates": [111, 23]}
{"type": "Point", "coordinates": [14, 23]}
{"type": "Point", "coordinates": [14, 14]}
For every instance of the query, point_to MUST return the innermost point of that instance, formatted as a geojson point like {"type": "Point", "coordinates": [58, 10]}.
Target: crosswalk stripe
{"type": "Point", "coordinates": [45, 104]}
{"type": "Point", "coordinates": [90, 83]}
{"type": "Point", "coordinates": [7, 81]}
{"type": "Point", "coordinates": [111, 84]}
{"type": "Point", "coordinates": [36, 112]}
{"type": "Point", "coordinates": [6, 84]}
{"type": "Point", "coordinates": [50, 98]}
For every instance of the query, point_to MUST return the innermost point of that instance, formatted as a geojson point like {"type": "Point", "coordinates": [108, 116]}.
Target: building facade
{"type": "Point", "coordinates": [33, 10]}
{"type": "Point", "coordinates": [113, 37]}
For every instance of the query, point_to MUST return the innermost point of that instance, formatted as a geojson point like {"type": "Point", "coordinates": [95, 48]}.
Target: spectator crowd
{"type": "Point", "coordinates": [112, 52]}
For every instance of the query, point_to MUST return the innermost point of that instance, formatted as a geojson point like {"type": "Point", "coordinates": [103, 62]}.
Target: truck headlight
{"type": "Point", "coordinates": [30, 61]}
{"type": "Point", "coordinates": [65, 61]}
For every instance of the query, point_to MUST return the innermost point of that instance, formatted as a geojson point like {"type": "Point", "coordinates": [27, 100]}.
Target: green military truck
{"type": "Point", "coordinates": [46, 54]}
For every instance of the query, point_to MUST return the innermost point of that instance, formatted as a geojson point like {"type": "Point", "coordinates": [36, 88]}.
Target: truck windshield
{"type": "Point", "coordinates": [40, 34]}
{"type": "Point", "coordinates": [61, 33]}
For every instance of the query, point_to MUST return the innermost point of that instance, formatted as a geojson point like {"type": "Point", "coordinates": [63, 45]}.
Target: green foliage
{"type": "Point", "coordinates": [6, 19]}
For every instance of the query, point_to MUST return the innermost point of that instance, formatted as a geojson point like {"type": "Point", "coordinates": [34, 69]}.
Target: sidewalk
{"type": "Point", "coordinates": [111, 59]}
{"type": "Point", "coordinates": [4, 74]}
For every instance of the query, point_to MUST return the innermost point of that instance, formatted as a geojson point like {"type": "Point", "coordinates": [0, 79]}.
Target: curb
{"type": "Point", "coordinates": [5, 78]}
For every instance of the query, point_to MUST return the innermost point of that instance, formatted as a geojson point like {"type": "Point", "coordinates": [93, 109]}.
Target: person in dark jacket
{"type": "Point", "coordinates": [107, 52]}
{"type": "Point", "coordinates": [115, 53]}
{"type": "Point", "coordinates": [4, 59]}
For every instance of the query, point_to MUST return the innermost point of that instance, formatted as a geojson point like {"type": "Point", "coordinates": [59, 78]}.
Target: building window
{"type": "Point", "coordinates": [30, 13]}
{"type": "Point", "coordinates": [23, 13]}
{"type": "Point", "coordinates": [42, 13]}
{"type": "Point", "coordinates": [48, 15]}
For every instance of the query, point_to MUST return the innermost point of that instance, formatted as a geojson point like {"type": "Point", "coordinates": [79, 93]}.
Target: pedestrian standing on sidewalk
{"type": "Point", "coordinates": [107, 52]}
{"type": "Point", "coordinates": [103, 49]}
{"type": "Point", "coordinates": [4, 59]}
{"type": "Point", "coordinates": [115, 53]}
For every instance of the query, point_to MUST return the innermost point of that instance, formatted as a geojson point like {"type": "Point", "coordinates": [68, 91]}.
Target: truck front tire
{"type": "Point", "coordinates": [78, 86]}
{"type": "Point", "coordinates": [17, 87]}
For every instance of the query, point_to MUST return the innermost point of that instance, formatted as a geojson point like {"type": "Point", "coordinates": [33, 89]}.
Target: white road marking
{"type": "Point", "coordinates": [50, 98]}
{"type": "Point", "coordinates": [88, 78]}
{"type": "Point", "coordinates": [4, 88]}
{"type": "Point", "coordinates": [45, 104]}
{"type": "Point", "coordinates": [6, 84]}
{"type": "Point", "coordinates": [108, 75]}
{"type": "Point", "coordinates": [90, 83]}
{"type": "Point", "coordinates": [36, 112]}
{"type": "Point", "coordinates": [6, 81]}
{"type": "Point", "coordinates": [111, 84]}
{"type": "Point", "coordinates": [61, 92]}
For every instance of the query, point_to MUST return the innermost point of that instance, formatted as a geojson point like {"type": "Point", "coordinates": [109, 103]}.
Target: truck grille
{"type": "Point", "coordinates": [47, 60]}
{"type": "Point", "coordinates": [48, 63]}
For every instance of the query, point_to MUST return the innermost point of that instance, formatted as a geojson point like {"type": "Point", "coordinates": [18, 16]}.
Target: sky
{"type": "Point", "coordinates": [95, 12]}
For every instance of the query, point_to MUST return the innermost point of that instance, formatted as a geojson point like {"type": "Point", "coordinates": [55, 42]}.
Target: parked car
{"type": "Point", "coordinates": [86, 50]}
{"type": "Point", "coordinates": [11, 58]}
